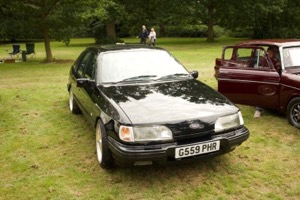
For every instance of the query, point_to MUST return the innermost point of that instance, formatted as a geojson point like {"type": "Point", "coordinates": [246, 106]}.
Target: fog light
{"type": "Point", "coordinates": [144, 162]}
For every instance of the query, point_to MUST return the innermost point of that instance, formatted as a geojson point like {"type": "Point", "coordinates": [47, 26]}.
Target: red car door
{"type": "Point", "coordinates": [244, 78]}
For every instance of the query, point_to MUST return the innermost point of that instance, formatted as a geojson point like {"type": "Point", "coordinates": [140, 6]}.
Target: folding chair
{"type": "Point", "coordinates": [30, 49]}
{"type": "Point", "coordinates": [16, 50]}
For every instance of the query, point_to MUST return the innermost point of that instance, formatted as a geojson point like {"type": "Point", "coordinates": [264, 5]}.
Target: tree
{"type": "Point", "coordinates": [268, 14]}
{"type": "Point", "coordinates": [41, 17]}
{"type": "Point", "coordinates": [208, 11]}
{"type": "Point", "coordinates": [156, 13]}
{"type": "Point", "coordinates": [262, 19]}
{"type": "Point", "coordinates": [289, 20]}
{"type": "Point", "coordinates": [11, 26]}
{"type": "Point", "coordinates": [165, 12]}
{"type": "Point", "coordinates": [103, 18]}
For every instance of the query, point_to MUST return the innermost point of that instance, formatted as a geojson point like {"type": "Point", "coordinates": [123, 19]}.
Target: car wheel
{"type": "Point", "coordinates": [72, 103]}
{"type": "Point", "coordinates": [293, 112]}
{"type": "Point", "coordinates": [104, 155]}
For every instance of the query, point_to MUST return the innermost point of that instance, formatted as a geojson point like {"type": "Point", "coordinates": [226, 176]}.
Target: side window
{"type": "Point", "coordinates": [260, 59]}
{"type": "Point", "coordinates": [91, 67]}
{"type": "Point", "coordinates": [228, 54]}
{"type": "Point", "coordinates": [83, 62]}
{"type": "Point", "coordinates": [249, 58]}
{"type": "Point", "coordinates": [229, 60]}
{"type": "Point", "coordinates": [238, 57]}
{"type": "Point", "coordinates": [244, 57]}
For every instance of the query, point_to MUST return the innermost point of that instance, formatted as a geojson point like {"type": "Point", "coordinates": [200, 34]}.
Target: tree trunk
{"type": "Point", "coordinates": [210, 24]}
{"type": "Point", "coordinates": [110, 29]}
{"type": "Point", "coordinates": [162, 30]}
{"type": "Point", "coordinates": [47, 44]}
{"type": "Point", "coordinates": [270, 25]}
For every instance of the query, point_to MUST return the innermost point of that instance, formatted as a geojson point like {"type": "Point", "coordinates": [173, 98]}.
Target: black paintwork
{"type": "Point", "coordinates": [168, 102]}
{"type": "Point", "coordinates": [175, 103]}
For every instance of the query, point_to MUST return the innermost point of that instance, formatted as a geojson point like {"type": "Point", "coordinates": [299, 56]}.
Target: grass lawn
{"type": "Point", "coordinates": [48, 153]}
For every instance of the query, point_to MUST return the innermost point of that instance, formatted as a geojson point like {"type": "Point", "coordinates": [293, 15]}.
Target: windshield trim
{"type": "Point", "coordinates": [164, 60]}
{"type": "Point", "coordinates": [286, 60]}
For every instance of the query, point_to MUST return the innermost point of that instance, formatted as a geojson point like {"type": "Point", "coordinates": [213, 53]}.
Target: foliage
{"type": "Point", "coordinates": [109, 40]}
{"type": "Point", "coordinates": [262, 19]}
{"type": "Point", "coordinates": [241, 32]}
{"type": "Point", "coordinates": [192, 31]}
{"type": "Point", "coordinates": [63, 19]}
{"type": "Point", "coordinates": [12, 17]}
{"type": "Point", "coordinates": [155, 13]}
{"type": "Point", "coordinates": [186, 31]}
{"type": "Point", "coordinates": [43, 19]}
{"type": "Point", "coordinates": [102, 17]}
{"type": "Point", "coordinates": [208, 11]}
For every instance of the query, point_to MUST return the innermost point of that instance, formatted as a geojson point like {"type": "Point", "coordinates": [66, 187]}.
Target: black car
{"type": "Point", "coordinates": [147, 108]}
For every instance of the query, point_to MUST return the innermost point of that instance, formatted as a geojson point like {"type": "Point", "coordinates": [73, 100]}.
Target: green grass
{"type": "Point", "coordinates": [48, 153]}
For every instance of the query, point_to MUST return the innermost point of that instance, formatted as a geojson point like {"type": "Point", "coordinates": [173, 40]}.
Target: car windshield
{"type": "Point", "coordinates": [138, 65]}
{"type": "Point", "coordinates": [291, 57]}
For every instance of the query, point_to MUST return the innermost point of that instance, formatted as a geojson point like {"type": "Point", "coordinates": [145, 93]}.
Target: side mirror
{"type": "Point", "coordinates": [194, 74]}
{"type": "Point", "coordinates": [84, 82]}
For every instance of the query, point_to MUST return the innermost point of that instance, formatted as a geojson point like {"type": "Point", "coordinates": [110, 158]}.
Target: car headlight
{"type": "Point", "coordinates": [145, 133]}
{"type": "Point", "coordinates": [228, 122]}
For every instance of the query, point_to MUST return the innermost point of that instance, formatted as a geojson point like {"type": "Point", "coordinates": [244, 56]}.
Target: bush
{"type": "Point", "coordinates": [288, 32]}
{"type": "Point", "coordinates": [241, 33]}
{"type": "Point", "coordinates": [261, 33]}
{"type": "Point", "coordinates": [186, 31]}
{"type": "Point", "coordinates": [108, 40]}
{"type": "Point", "coordinates": [192, 31]}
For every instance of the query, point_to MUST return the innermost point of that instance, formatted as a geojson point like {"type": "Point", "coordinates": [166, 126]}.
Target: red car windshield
{"type": "Point", "coordinates": [291, 57]}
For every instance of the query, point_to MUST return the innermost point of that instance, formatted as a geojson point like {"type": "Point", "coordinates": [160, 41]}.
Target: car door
{"type": "Point", "coordinates": [247, 77]}
{"type": "Point", "coordinates": [89, 90]}
{"type": "Point", "coordinates": [79, 73]}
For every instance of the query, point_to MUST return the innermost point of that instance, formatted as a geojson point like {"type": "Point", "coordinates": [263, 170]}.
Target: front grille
{"type": "Point", "coordinates": [191, 130]}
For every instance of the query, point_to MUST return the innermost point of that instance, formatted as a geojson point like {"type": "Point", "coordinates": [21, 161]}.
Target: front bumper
{"type": "Point", "coordinates": [129, 155]}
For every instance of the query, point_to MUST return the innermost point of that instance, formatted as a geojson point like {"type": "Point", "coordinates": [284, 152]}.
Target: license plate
{"type": "Point", "coordinates": [197, 149]}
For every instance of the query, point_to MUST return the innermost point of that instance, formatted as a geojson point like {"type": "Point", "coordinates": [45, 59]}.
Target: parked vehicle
{"type": "Point", "coordinates": [147, 108]}
{"type": "Point", "coordinates": [247, 74]}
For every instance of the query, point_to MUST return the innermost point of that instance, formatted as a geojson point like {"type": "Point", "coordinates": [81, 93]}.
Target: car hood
{"type": "Point", "coordinates": [168, 102]}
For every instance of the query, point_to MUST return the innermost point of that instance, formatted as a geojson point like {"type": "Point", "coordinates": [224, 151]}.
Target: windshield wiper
{"type": "Point", "coordinates": [171, 76]}
{"type": "Point", "coordinates": [139, 78]}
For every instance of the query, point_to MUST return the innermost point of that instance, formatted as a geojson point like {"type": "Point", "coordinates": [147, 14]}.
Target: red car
{"type": "Point", "coordinates": [263, 73]}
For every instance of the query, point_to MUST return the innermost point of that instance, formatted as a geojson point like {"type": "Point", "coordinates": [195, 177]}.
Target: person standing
{"type": "Point", "coordinates": [152, 37]}
{"type": "Point", "coordinates": [143, 35]}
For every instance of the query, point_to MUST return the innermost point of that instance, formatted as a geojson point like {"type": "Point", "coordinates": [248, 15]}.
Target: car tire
{"type": "Point", "coordinates": [104, 155]}
{"type": "Point", "coordinates": [74, 108]}
{"type": "Point", "coordinates": [293, 112]}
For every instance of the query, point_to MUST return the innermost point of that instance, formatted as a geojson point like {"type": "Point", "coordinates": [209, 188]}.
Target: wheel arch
{"type": "Point", "coordinates": [293, 111]}
{"type": "Point", "coordinates": [68, 87]}
{"type": "Point", "coordinates": [285, 107]}
{"type": "Point", "coordinates": [107, 121]}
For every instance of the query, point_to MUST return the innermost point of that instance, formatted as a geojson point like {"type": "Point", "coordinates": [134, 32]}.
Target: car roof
{"type": "Point", "coordinates": [271, 42]}
{"type": "Point", "coordinates": [122, 46]}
